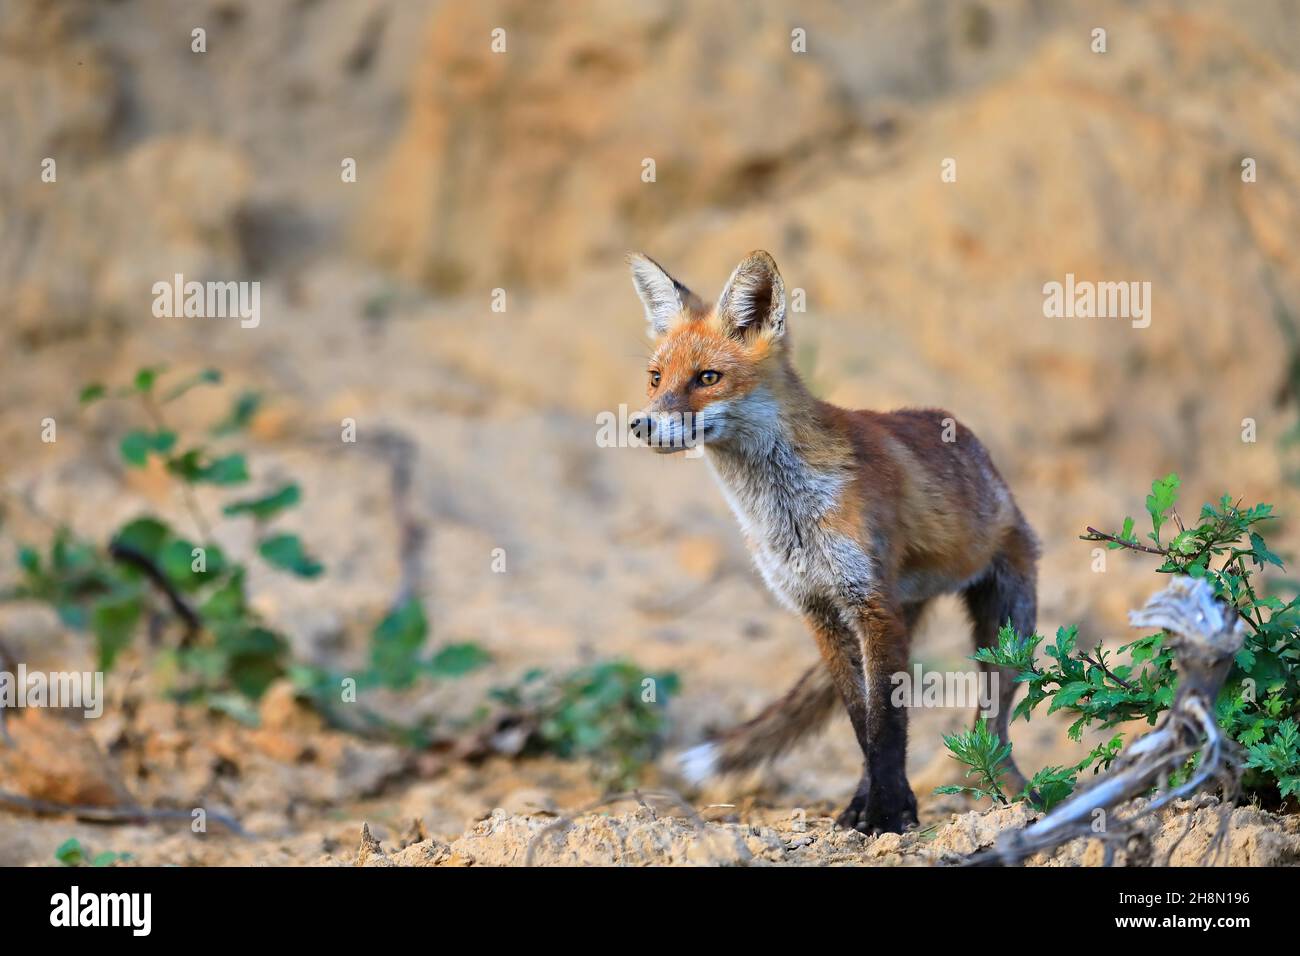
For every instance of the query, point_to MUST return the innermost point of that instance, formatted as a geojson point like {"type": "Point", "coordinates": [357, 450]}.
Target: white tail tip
{"type": "Point", "coordinates": [699, 764]}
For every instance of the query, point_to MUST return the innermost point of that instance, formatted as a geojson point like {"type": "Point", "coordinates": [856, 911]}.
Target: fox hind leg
{"type": "Point", "coordinates": [1008, 592]}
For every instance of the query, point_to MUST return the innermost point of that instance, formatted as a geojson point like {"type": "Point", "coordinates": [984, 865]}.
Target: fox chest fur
{"type": "Point", "coordinates": [782, 505]}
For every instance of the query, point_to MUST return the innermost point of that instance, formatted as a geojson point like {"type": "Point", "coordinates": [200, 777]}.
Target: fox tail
{"type": "Point", "coordinates": [802, 710]}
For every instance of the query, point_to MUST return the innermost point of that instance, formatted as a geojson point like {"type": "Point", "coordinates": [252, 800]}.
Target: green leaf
{"type": "Point", "coordinates": [1126, 533]}
{"type": "Point", "coordinates": [178, 561]}
{"type": "Point", "coordinates": [254, 657]}
{"type": "Point", "coordinates": [227, 470]}
{"type": "Point", "coordinates": [92, 393]}
{"type": "Point", "coordinates": [396, 643]}
{"type": "Point", "coordinates": [135, 447]}
{"type": "Point", "coordinates": [187, 465]}
{"type": "Point", "coordinates": [1261, 553]}
{"type": "Point", "coordinates": [285, 551]}
{"type": "Point", "coordinates": [1066, 638]}
{"type": "Point", "coordinates": [1049, 786]}
{"type": "Point", "coordinates": [113, 623]}
{"type": "Point", "coordinates": [193, 466]}
{"type": "Point", "coordinates": [70, 852]}
{"type": "Point", "coordinates": [71, 556]}
{"type": "Point", "coordinates": [1069, 695]}
{"type": "Point", "coordinates": [241, 413]}
{"type": "Point", "coordinates": [228, 602]}
{"type": "Point", "coordinates": [267, 506]}
{"type": "Point", "coordinates": [1185, 542]}
{"type": "Point", "coordinates": [1164, 493]}
{"type": "Point", "coordinates": [145, 378]}
{"type": "Point", "coordinates": [455, 660]}
{"type": "Point", "coordinates": [72, 615]}
{"type": "Point", "coordinates": [137, 444]}
{"type": "Point", "coordinates": [30, 560]}
{"type": "Point", "coordinates": [146, 535]}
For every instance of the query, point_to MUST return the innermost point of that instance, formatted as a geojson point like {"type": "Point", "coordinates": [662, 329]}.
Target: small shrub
{"type": "Point", "coordinates": [148, 566]}
{"type": "Point", "coordinates": [611, 713]}
{"type": "Point", "coordinates": [228, 655]}
{"type": "Point", "coordinates": [72, 853]}
{"type": "Point", "coordinates": [1260, 700]}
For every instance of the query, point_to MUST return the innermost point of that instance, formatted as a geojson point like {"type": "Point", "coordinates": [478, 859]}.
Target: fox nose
{"type": "Point", "coordinates": [641, 425]}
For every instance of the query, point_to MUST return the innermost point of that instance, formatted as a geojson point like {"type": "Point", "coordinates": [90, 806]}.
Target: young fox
{"type": "Point", "coordinates": [856, 520]}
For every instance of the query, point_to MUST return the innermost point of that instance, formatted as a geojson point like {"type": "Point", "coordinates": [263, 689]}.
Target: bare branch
{"type": "Point", "coordinates": [125, 554]}
{"type": "Point", "coordinates": [128, 814]}
{"type": "Point", "coordinates": [1095, 535]}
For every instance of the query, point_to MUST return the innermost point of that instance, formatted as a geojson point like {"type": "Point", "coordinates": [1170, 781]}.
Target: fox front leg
{"type": "Point", "coordinates": [861, 650]}
{"type": "Point", "coordinates": [883, 802]}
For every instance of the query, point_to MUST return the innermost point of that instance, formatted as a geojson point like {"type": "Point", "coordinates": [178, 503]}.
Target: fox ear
{"type": "Point", "coordinates": [663, 296]}
{"type": "Point", "coordinates": [754, 299]}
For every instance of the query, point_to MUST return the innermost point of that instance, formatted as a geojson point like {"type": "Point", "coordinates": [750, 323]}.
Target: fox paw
{"type": "Point", "coordinates": [874, 817]}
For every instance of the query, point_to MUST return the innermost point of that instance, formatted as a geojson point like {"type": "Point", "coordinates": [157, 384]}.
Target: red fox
{"type": "Point", "coordinates": [856, 520]}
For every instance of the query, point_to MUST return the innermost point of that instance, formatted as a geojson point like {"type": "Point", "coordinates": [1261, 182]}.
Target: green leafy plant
{"type": "Point", "coordinates": [149, 567]}
{"type": "Point", "coordinates": [612, 713]}
{"type": "Point", "coordinates": [1260, 700]}
{"type": "Point", "coordinates": [149, 570]}
{"type": "Point", "coordinates": [72, 853]}
{"type": "Point", "coordinates": [985, 755]}
{"type": "Point", "coordinates": [397, 661]}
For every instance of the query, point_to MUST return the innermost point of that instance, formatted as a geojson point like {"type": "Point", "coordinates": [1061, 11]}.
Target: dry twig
{"type": "Point", "coordinates": [127, 814]}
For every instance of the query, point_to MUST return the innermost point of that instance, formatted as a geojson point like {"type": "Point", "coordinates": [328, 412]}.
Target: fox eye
{"type": "Point", "coordinates": [710, 377]}
{"type": "Point", "coordinates": [654, 379]}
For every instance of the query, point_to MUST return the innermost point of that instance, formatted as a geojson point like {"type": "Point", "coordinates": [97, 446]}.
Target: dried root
{"type": "Point", "coordinates": [1206, 635]}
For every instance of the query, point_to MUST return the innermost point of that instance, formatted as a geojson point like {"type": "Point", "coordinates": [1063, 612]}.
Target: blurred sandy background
{"type": "Point", "coordinates": [522, 171]}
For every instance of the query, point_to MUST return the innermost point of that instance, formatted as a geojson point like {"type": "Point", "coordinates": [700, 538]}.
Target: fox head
{"type": "Point", "coordinates": [716, 370]}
